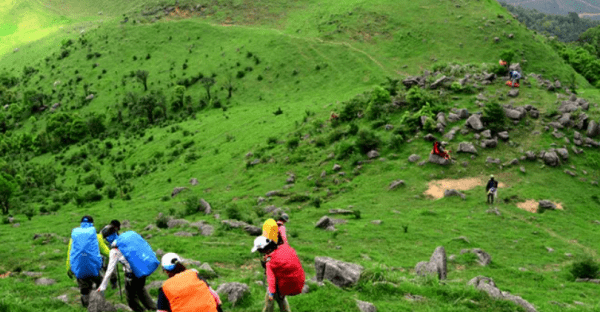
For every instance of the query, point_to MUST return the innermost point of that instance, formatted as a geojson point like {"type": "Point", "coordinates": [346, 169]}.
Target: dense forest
{"type": "Point", "coordinates": [565, 28]}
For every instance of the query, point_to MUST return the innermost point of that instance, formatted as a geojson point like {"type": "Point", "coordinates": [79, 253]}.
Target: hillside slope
{"type": "Point", "coordinates": [558, 6]}
{"type": "Point", "coordinates": [113, 149]}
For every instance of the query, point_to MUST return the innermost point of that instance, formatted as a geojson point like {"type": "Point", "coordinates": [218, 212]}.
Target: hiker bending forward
{"type": "Point", "coordinates": [491, 189]}
{"type": "Point", "coordinates": [185, 290]}
{"type": "Point", "coordinates": [515, 77]}
{"type": "Point", "coordinates": [285, 276]}
{"type": "Point", "coordinates": [134, 286]}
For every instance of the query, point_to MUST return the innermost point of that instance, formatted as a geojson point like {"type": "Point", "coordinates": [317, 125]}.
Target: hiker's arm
{"type": "Point", "coordinates": [270, 279]}
{"type": "Point", "coordinates": [212, 291]}
{"type": "Point", "coordinates": [69, 256]}
{"type": "Point", "coordinates": [104, 250]}
{"type": "Point", "coordinates": [162, 304]}
{"type": "Point", "coordinates": [283, 234]}
{"type": "Point", "coordinates": [112, 264]}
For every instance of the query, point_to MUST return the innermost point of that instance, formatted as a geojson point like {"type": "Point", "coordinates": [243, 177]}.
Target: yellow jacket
{"type": "Point", "coordinates": [103, 250]}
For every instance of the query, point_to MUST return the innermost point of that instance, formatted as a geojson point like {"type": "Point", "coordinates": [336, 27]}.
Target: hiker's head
{"type": "Point", "coordinates": [264, 245]}
{"type": "Point", "coordinates": [171, 264]}
{"type": "Point", "coordinates": [491, 177]}
{"type": "Point", "coordinates": [109, 233]}
{"type": "Point", "coordinates": [284, 218]}
{"type": "Point", "coordinates": [116, 224]}
{"type": "Point", "coordinates": [87, 221]}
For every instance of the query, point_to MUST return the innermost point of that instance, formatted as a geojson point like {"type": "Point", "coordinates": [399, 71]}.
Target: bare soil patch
{"type": "Point", "coordinates": [531, 205]}
{"type": "Point", "coordinates": [437, 187]}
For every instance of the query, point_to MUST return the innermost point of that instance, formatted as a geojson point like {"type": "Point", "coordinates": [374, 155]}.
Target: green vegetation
{"type": "Point", "coordinates": [239, 101]}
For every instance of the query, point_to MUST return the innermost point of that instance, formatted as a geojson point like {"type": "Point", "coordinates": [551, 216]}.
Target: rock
{"type": "Point", "coordinates": [341, 211]}
{"type": "Point", "coordinates": [436, 159]}
{"type": "Point", "coordinates": [450, 135]}
{"type": "Point", "coordinates": [89, 97]}
{"type": "Point", "coordinates": [250, 229]}
{"type": "Point", "coordinates": [255, 162]}
{"type": "Point", "coordinates": [64, 298]}
{"type": "Point", "coordinates": [550, 249]}
{"type": "Point", "coordinates": [414, 158]}
{"type": "Point", "coordinates": [530, 155]}
{"type": "Point", "coordinates": [150, 227]}
{"type": "Point", "coordinates": [484, 258]}
{"type": "Point", "coordinates": [206, 267]}
{"type": "Point", "coordinates": [99, 304]}
{"type": "Point", "coordinates": [511, 36]}
{"type": "Point", "coordinates": [463, 113]}
{"type": "Point", "coordinates": [551, 159]}
{"type": "Point", "coordinates": [489, 143]}
{"type": "Point", "coordinates": [546, 204]}
{"type": "Point", "coordinates": [323, 174]}
{"type": "Point", "coordinates": [249, 154]}
{"type": "Point", "coordinates": [491, 160]}
{"type": "Point", "coordinates": [453, 192]}
{"type": "Point", "coordinates": [563, 153]}
{"type": "Point", "coordinates": [177, 223]}
{"type": "Point", "coordinates": [513, 92]}
{"type": "Point", "coordinates": [592, 129]}
{"type": "Point", "coordinates": [494, 211]}
{"type": "Point", "coordinates": [411, 81]}
{"type": "Point", "coordinates": [503, 135]}
{"type": "Point", "coordinates": [32, 274]}
{"type": "Point", "coordinates": [54, 106]}
{"type": "Point", "coordinates": [467, 147]}
{"type": "Point", "coordinates": [260, 200]}
{"type": "Point", "coordinates": [324, 222]}
{"type": "Point", "coordinates": [154, 285]}
{"type": "Point", "coordinates": [291, 179]}
{"type": "Point", "coordinates": [45, 281]}
{"type": "Point", "coordinates": [396, 183]}
{"type": "Point", "coordinates": [123, 307]}
{"type": "Point", "coordinates": [453, 117]}
{"type": "Point", "coordinates": [514, 114]}
{"type": "Point", "coordinates": [340, 273]}
{"type": "Point", "coordinates": [205, 206]}
{"type": "Point", "coordinates": [337, 167]}
{"type": "Point", "coordinates": [389, 127]}
{"type": "Point", "coordinates": [512, 162]}
{"type": "Point", "coordinates": [496, 39]}
{"type": "Point", "coordinates": [234, 291]}
{"type": "Point", "coordinates": [177, 190]}
{"type": "Point", "coordinates": [515, 66]}
{"type": "Point", "coordinates": [436, 264]}
{"type": "Point", "coordinates": [487, 285]}
{"type": "Point", "coordinates": [422, 163]}
{"type": "Point", "coordinates": [194, 181]}
{"type": "Point", "coordinates": [438, 82]}
{"type": "Point", "coordinates": [474, 122]}
{"type": "Point", "coordinates": [486, 134]}
{"type": "Point", "coordinates": [376, 222]}
{"type": "Point", "coordinates": [522, 169]}
{"type": "Point", "coordinates": [441, 118]}
{"type": "Point", "coordinates": [534, 113]}
{"type": "Point", "coordinates": [204, 228]}
{"type": "Point", "coordinates": [571, 173]}
{"type": "Point", "coordinates": [364, 306]}
{"type": "Point", "coordinates": [273, 193]}
{"type": "Point", "coordinates": [183, 234]}
{"type": "Point", "coordinates": [373, 154]}
{"type": "Point", "coordinates": [429, 137]}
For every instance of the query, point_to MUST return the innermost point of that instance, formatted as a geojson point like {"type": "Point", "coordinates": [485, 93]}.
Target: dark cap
{"type": "Point", "coordinates": [116, 224]}
{"type": "Point", "coordinates": [87, 219]}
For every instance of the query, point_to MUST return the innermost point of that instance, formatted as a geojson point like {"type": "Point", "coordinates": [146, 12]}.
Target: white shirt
{"type": "Point", "coordinates": [115, 255]}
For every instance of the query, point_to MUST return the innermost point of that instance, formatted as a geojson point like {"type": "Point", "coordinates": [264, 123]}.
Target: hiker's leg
{"type": "Point", "coordinates": [282, 302]}
{"type": "Point", "coordinates": [131, 294]}
{"type": "Point", "coordinates": [144, 296]}
{"type": "Point", "coordinates": [85, 286]}
{"type": "Point", "coordinates": [269, 305]}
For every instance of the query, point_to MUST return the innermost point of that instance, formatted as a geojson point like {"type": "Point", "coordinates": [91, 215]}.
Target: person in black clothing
{"type": "Point", "coordinates": [491, 189]}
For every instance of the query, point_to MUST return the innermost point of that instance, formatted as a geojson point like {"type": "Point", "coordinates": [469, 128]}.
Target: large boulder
{"type": "Point", "coordinates": [436, 159]}
{"type": "Point", "coordinates": [514, 114]}
{"type": "Point", "coordinates": [551, 159]}
{"type": "Point", "coordinates": [565, 120]}
{"type": "Point", "coordinates": [546, 204]}
{"type": "Point", "coordinates": [503, 135]}
{"type": "Point", "coordinates": [441, 118]}
{"type": "Point", "coordinates": [435, 266]}
{"type": "Point", "coordinates": [491, 143]}
{"type": "Point", "coordinates": [563, 153]}
{"type": "Point", "coordinates": [466, 147]}
{"type": "Point", "coordinates": [99, 304]}
{"type": "Point", "coordinates": [324, 223]}
{"type": "Point", "coordinates": [453, 192]}
{"type": "Point", "coordinates": [463, 113]}
{"type": "Point", "coordinates": [530, 155]}
{"type": "Point", "coordinates": [373, 154]}
{"type": "Point", "coordinates": [173, 223]}
{"type": "Point", "coordinates": [487, 285]}
{"type": "Point", "coordinates": [364, 306]}
{"type": "Point", "coordinates": [205, 206]}
{"type": "Point", "coordinates": [453, 117]}
{"type": "Point", "coordinates": [513, 92]}
{"type": "Point", "coordinates": [592, 129]}
{"type": "Point", "coordinates": [414, 158]}
{"type": "Point", "coordinates": [568, 107]}
{"type": "Point", "coordinates": [234, 291]}
{"type": "Point", "coordinates": [534, 113]}
{"type": "Point", "coordinates": [339, 273]}
{"type": "Point", "coordinates": [474, 121]}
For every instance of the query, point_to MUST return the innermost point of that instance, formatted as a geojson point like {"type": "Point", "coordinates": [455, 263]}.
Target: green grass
{"type": "Point", "coordinates": [306, 65]}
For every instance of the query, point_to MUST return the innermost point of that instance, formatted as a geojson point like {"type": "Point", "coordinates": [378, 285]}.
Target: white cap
{"type": "Point", "coordinates": [260, 243]}
{"type": "Point", "coordinates": [169, 260]}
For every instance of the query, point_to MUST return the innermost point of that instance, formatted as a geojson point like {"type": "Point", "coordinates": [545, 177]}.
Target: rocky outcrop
{"type": "Point", "coordinates": [474, 121]}
{"type": "Point", "coordinates": [487, 285]}
{"type": "Point", "coordinates": [546, 204]}
{"type": "Point", "coordinates": [435, 266]}
{"type": "Point", "coordinates": [339, 273]}
{"type": "Point", "coordinates": [177, 190]}
{"type": "Point", "coordinates": [592, 130]}
{"type": "Point", "coordinates": [234, 291]}
{"type": "Point", "coordinates": [467, 147]}
{"type": "Point", "coordinates": [414, 158]}
{"type": "Point", "coordinates": [436, 159]}
{"type": "Point", "coordinates": [396, 184]}
{"type": "Point", "coordinates": [453, 192]}
{"type": "Point", "coordinates": [97, 303]}
{"type": "Point", "coordinates": [483, 258]}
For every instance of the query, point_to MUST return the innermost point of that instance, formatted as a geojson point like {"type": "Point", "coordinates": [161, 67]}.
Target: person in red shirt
{"type": "Point", "coordinates": [285, 276]}
{"type": "Point", "coordinates": [282, 236]}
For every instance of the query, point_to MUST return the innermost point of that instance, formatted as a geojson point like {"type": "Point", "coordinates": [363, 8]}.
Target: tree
{"type": "Point", "coordinates": [178, 98]}
{"type": "Point", "coordinates": [229, 86]}
{"type": "Point", "coordinates": [146, 105]}
{"type": "Point", "coordinates": [142, 76]}
{"type": "Point", "coordinates": [207, 83]}
{"type": "Point", "coordinates": [7, 188]}
{"type": "Point", "coordinates": [95, 123]}
{"type": "Point", "coordinates": [494, 117]}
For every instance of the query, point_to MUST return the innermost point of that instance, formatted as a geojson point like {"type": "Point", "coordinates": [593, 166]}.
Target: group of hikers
{"type": "Point", "coordinates": [185, 289]}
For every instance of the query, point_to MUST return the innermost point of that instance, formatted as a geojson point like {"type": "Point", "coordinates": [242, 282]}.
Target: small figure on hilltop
{"type": "Point", "coordinates": [84, 260]}
{"type": "Point", "coordinates": [438, 149]}
{"type": "Point", "coordinates": [285, 276]}
{"type": "Point", "coordinates": [185, 290]}
{"type": "Point", "coordinates": [491, 189]}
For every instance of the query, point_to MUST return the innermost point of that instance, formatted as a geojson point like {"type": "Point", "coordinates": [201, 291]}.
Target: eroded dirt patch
{"type": "Point", "coordinates": [531, 205]}
{"type": "Point", "coordinates": [437, 187]}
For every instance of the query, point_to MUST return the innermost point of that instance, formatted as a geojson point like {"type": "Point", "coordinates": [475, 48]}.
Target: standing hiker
{"type": "Point", "coordinates": [281, 235]}
{"type": "Point", "coordinates": [285, 276]}
{"type": "Point", "coordinates": [83, 258]}
{"type": "Point", "coordinates": [138, 260]}
{"type": "Point", "coordinates": [515, 77]}
{"type": "Point", "coordinates": [491, 189]}
{"type": "Point", "coordinates": [113, 277]}
{"type": "Point", "coordinates": [185, 290]}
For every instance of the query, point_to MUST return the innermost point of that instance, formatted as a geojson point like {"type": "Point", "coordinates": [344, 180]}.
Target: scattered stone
{"type": "Point", "coordinates": [234, 291]}
{"type": "Point", "coordinates": [341, 211]}
{"type": "Point", "coordinates": [121, 306]}
{"type": "Point", "coordinates": [435, 266]}
{"type": "Point", "coordinates": [177, 223]}
{"type": "Point", "coordinates": [45, 281]}
{"type": "Point", "coordinates": [530, 155]}
{"type": "Point", "coordinates": [522, 169]}
{"type": "Point", "coordinates": [436, 159]}
{"type": "Point", "coordinates": [204, 228]}
{"type": "Point", "coordinates": [474, 121]}
{"type": "Point", "coordinates": [364, 306]}
{"type": "Point", "coordinates": [549, 249]}
{"type": "Point", "coordinates": [571, 173]}
{"type": "Point", "coordinates": [467, 147]}
{"type": "Point", "coordinates": [462, 238]}
{"type": "Point", "coordinates": [376, 222]}
{"type": "Point", "coordinates": [453, 192]}
{"type": "Point", "coordinates": [494, 211]}
{"type": "Point", "coordinates": [273, 193]}
{"type": "Point", "coordinates": [534, 113]}
{"type": "Point", "coordinates": [64, 298]}
{"type": "Point", "coordinates": [32, 274]}
{"type": "Point", "coordinates": [89, 97]}
{"type": "Point", "coordinates": [489, 143]}
{"type": "Point", "coordinates": [99, 304]}
{"type": "Point", "coordinates": [414, 158]}
{"type": "Point", "coordinates": [324, 222]}
{"type": "Point", "coordinates": [491, 160]}
{"type": "Point", "coordinates": [337, 167]}
{"type": "Point", "coordinates": [177, 190]}
{"type": "Point", "coordinates": [183, 234]}
{"type": "Point", "coordinates": [340, 273]}
{"type": "Point", "coordinates": [291, 179]}
{"type": "Point", "coordinates": [396, 183]}
{"type": "Point", "coordinates": [513, 92]}
{"type": "Point", "coordinates": [194, 181]}
{"type": "Point", "coordinates": [551, 159]}
{"type": "Point", "coordinates": [484, 259]}
{"type": "Point", "coordinates": [592, 130]}
{"type": "Point", "coordinates": [503, 135]}
{"type": "Point", "coordinates": [373, 154]}
{"type": "Point", "coordinates": [487, 285]}
{"type": "Point", "coordinates": [389, 127]}
{"type": "Point", "coordinates": [546, 204]}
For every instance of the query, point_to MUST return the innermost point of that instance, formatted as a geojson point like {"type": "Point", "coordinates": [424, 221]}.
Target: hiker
{"type": "Point", "coordinates": [138, 260]}
{"type": "Point", "coordinates": [491, 189]}
{"type": "Point", "coordinates": [113, 278]}
{"type": "Point", "coordinates": [285, 276]}
{"type": "Point", "coordinates": [439, 150]}
{"type": "Point", "coordinates": [83, 258]}
{"type": "Point", "coordinates": [281, 235]}
{"type": "Point", "coordinates": [515, 77]}
{"type": "Point", "coordinates": [185, 290]}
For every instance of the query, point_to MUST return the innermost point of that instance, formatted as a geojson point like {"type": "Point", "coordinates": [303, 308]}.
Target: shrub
{"type": "Point", "coordinates": [191, 156]}
{"type": "Point", "coordinates": [316, 202]}
{"type": "Point", "coordinates": [92, 196]}
{"type": "Point", "coordinates": [192, 203]}
{"type": "Point", "coordinates": [353, 108]}
{"type": "Point", "coordinates": [292, 143]}
{"type": "Point", "coordinates": [233, 212]}
{"type": "Point", "coordinates": [356, 214]}
{"type": "Point", "coordinates": [320, 142]}
{"type": "Point", "coordinates": [99, 183]}
{"type": "Point", "coordinates": [161, 221]}
{"type": "Point", "coordinates": [344, 150]}
{"type": "Point", "coordinates": [87, 167]}
{"type": "Point", "coordinates": [456, 87]}
{"type": "Point", "coordinates": [335, 136]}
{"type": "Point", "coordinates": [278, 112]}
{"type": "Point", "coordinates": [396, 141]}
{"type": "Point", "coordinates": [272, 140]}
{"type": "Point", "coordinates": [90, 179]}
{"type": "Point", "coordinates": [585, 268]}
{"type": "Point", "coordinates": [297, 198]}
{"type": "Point", "coordinates": [111, 192]}
{"type": "Point", "coordinates": [259, 211]}
{"type": "Point", "coordinates": [494, 117]}
{"type": "Point", "coordinates": [353, 129]}
{"type": "Point", "coordinates": [367, 141]}
{"type": "Point", "coordinates": [240, 74]}
{"type": "Point", "coordinates": [29, 212]}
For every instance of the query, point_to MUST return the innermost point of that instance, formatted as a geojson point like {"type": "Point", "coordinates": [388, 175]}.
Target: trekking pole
{"type": "Point", "coordinates": [119, 278]}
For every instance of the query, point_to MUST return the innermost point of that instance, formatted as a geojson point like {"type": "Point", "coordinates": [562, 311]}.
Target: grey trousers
{"type": "Point", "coordinates": [86, 285]}
{"type": "Point", "coordinates": [284, 306]}
{"type": "Point", "coordinates": [138, 298]}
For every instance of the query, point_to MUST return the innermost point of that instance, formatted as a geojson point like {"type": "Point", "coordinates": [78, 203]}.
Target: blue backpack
{"type": "Point", "coordinates": [85, 256]}
{"type": "Point", "coordinates": [138, 253]}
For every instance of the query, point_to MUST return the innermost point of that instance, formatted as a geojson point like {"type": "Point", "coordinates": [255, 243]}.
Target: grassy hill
{"type": "Point", "coordinates": [559, 7]}
{"type": "Point", "coordinates": [289, 64]}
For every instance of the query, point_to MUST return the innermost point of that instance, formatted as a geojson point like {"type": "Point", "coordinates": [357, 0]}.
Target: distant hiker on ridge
{"type": "Point", "coordinates": [185, 290]}
{"type": "Point", "coordinates": [138, 260]}
{"type": "Point", "coordinates": [491, 189]}
{"type": "Point", "coordinates": [83, 258]}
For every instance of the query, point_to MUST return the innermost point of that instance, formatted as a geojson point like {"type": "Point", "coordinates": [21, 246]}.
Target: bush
{"type": "Point", "coordinates": [111, 192]}
{"type": "Point", "coordinates": [292, 143]}
{"type": "Point", "coordinates": [379, 97]}
{"type": "Point", "coordinates": [344, 150]}
{"type": "Point", "coordinates": [233, 212]}
{"type": "Point", "coordinates": [335, 136]}
{"type": "Point", "coordinates": [161, 221]}
{"type": "Point", "coordinates": [297, 198]}
{"type": "Point", "coordinates": [585, 268]}
{"type": "Point", "coordinates": [353, 129]}
{"type": "Point", "coordinates": [353, 108]}
{"type": "Point", "coordinates": [192, 203]}
{"type": "Point", "coordinates": [90, 179]}
{"type": "Point", "coordinates": [396, 141]}
{"type": "Point", "coordinates": [316, 202]}
{"type": "Point", "coordinates": [367, 141]}
{"type": "Point", "coordinates": [356, 214]}
{"type": "Point", "coordinates": [92, 196]}
{"type": "Point", "coordinates": [99, 183]}
{"type": "Point", "coordinates": [191, 156]}
{"type": "Point", "coordinates": [272, 140]}
{"type": "Point", "coordinates": [494, 117]}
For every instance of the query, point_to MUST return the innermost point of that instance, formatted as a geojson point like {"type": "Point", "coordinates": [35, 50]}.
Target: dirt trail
{"type": "Point", "coordinates": [437, 187]}
{"type": "Point", "coordinates": [531, 205]}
